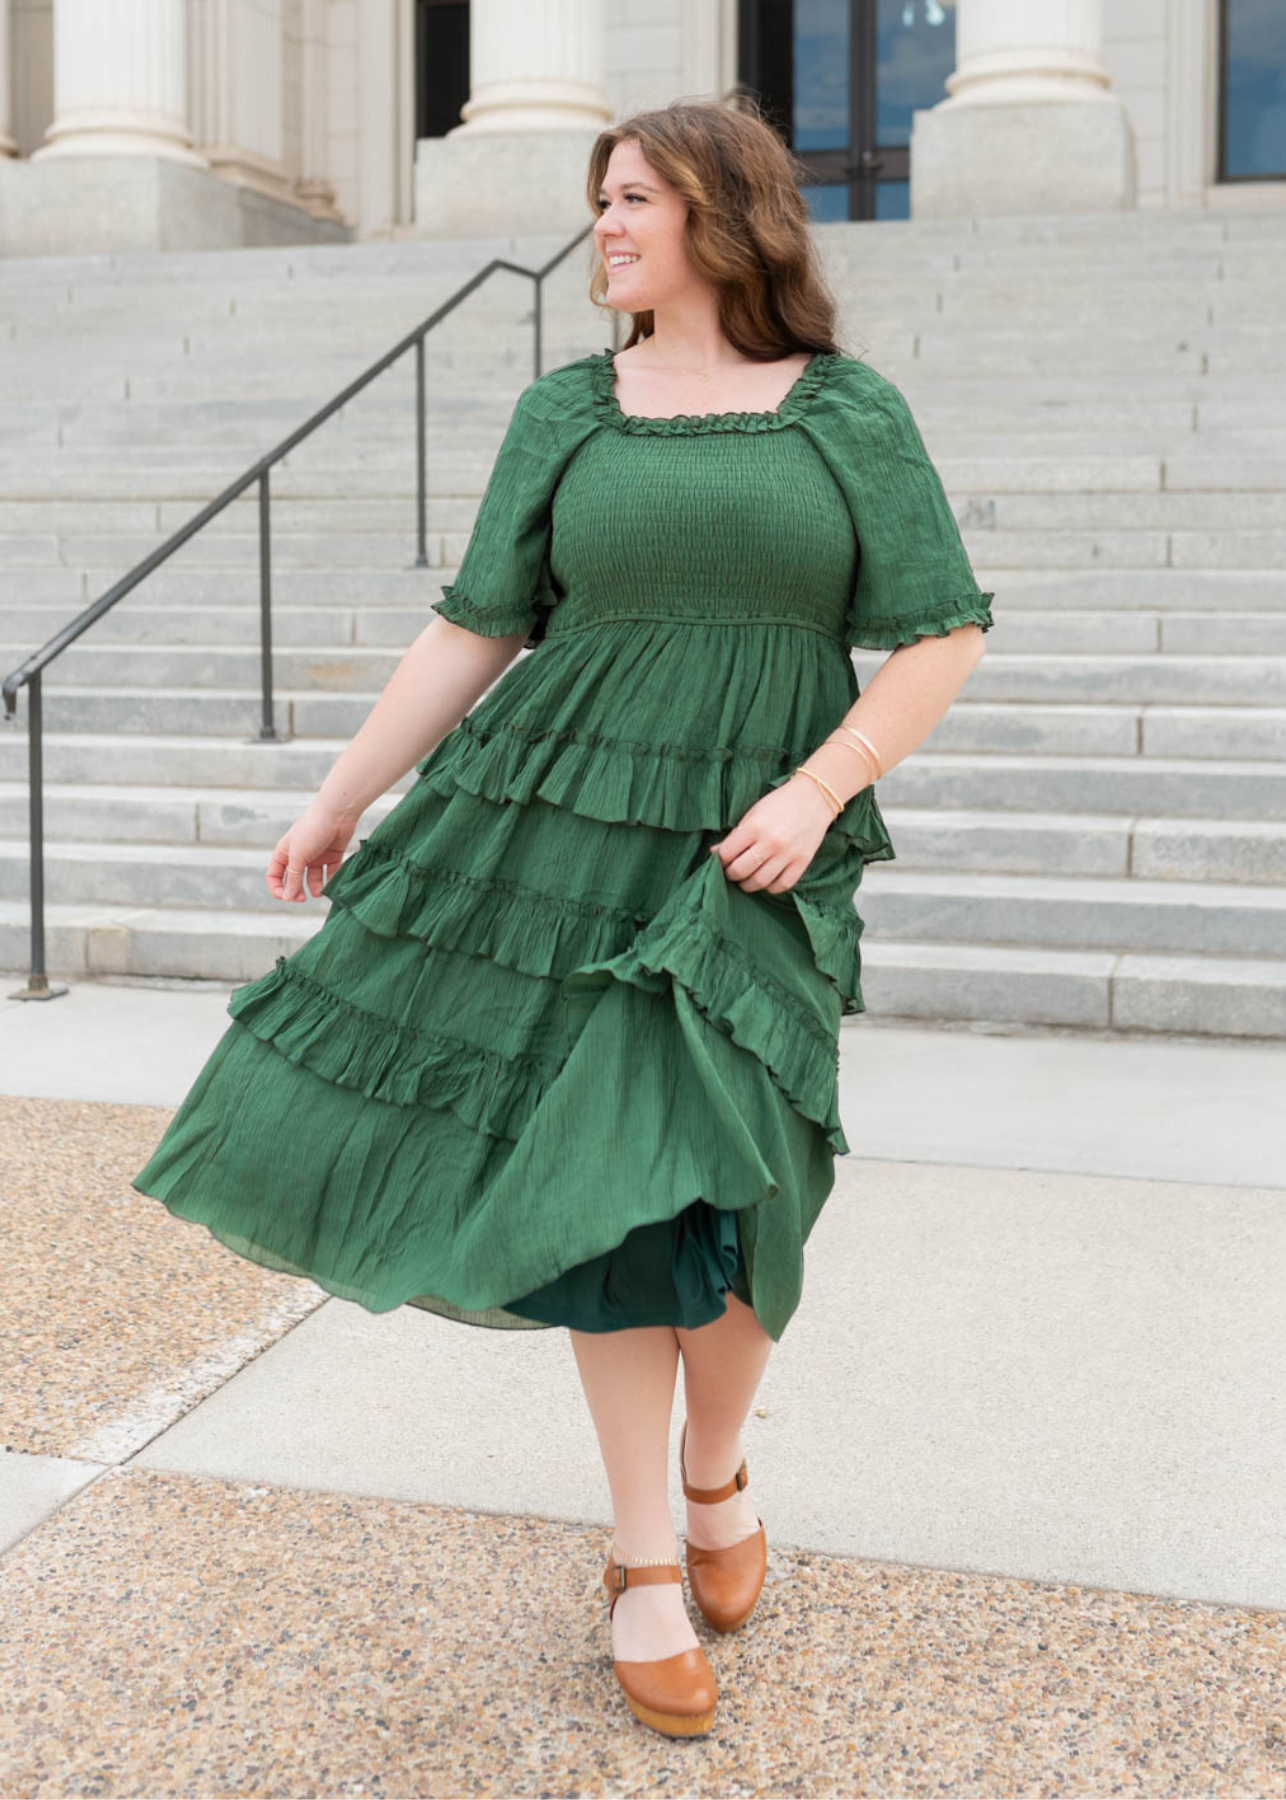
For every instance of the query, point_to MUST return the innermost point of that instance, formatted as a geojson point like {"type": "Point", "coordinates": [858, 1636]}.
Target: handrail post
{"type": "Point", "coordinates": [536, 319]}
{"type": "Point", "coordinates": [37, 987]}
{"type": "Point", "coordinates": [421, 478]}
{"type": "Point", "coordinates": [267, 730]}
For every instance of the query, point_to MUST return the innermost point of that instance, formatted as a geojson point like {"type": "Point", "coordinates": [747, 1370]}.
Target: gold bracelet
{"type": "Point", "coordinates": [843, 744]}
{"type": "Point", "coordinates": [839, 804]}
{"type": "Point", "coordinates": [862, 739]}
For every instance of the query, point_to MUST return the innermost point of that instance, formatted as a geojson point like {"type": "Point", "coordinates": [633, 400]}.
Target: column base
{"type": "Point", "coordinates": [1022, 157]}
{"type": "Point", "coordinates": [84, 205]}
{"type": "Point", "coordinates": [502, 183]}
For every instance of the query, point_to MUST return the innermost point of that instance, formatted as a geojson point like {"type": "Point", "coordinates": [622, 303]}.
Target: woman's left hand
{"type": "Point", "coordinates": [772, 843]}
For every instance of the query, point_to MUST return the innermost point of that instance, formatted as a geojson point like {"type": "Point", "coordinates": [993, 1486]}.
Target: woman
{"type": "Point", "coordinates": [565, 1048]}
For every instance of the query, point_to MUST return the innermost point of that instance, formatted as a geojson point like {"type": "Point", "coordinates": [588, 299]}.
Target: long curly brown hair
{"type": "Point", "coordinates": [747, 227]}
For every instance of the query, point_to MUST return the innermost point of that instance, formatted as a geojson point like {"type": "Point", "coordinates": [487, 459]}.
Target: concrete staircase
{"type": "Point", "coordinates": [1096, 834]}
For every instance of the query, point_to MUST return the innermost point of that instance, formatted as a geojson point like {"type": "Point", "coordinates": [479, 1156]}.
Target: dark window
{"type": "Point", "coordinates": [441, 65]}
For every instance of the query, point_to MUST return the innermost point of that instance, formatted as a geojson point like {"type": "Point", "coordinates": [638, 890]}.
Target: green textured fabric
{"type": "Point", "coordinates": [544, 1064]}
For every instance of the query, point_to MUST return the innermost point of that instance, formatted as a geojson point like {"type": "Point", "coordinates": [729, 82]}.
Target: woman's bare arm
{"type": "Point", "coordinates": [445, 671]}
{"type": "Point", "coordinates": [906, 698]}
{"type": "Point", "coordinates": [774, 841]}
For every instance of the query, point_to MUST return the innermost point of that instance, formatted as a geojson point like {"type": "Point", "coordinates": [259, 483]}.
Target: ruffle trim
{"type": "Point", "coordinates": [796, 400]}
{"type": "Point", "coordinates": [619, 780]}
{"type": "Point", "coordinates": [490, 621]}
{"type": "Point", "coordinates": [544, 934]}
{"type": "Point", "coordinates": [836, 948]}
{"type": "Point", "coordinates": [513, 925]}
{"type": "Point", "coordinates": [352, 1048]}
{"type": "Point", "coordinates": [888, 634]}
{"type": "Point", "coordinates": [740, 1000]}
{"type": "Point", "coordinates": [311, 1025]}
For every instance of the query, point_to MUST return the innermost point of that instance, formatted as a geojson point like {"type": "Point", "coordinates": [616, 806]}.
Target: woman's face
{"type": "Point", "coordinates": [640, 215]}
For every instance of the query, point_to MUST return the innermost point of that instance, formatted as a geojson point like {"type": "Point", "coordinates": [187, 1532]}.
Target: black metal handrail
{"type": "Point", "coordinates": [28, 674]}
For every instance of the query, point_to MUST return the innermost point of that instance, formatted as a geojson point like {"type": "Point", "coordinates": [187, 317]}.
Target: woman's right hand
{"type": "Point", "coordinates": [314, 844]}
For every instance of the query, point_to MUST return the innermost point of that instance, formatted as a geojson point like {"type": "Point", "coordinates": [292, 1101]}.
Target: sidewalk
{"type": "Point", "coordinates": [1021, 1455]}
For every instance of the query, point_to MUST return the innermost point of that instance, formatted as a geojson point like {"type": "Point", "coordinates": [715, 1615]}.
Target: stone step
{"type": "Point", "coordinates": [201, 321]}
{"type": "Point", "coordinates": [1064, 912]}
{"type": "Point", "coordinates": [205, 816]}
{"type": "Point", "coordinates": [1073, 844]}
{"type": "Point", "coordinates": [1175, 679]}
{"type": "Point", "coordinates": [1050, 591]}
{"type": "Point", "coordinates": [1174, 787]}
{"type": "Point", "coordinates": [229, 549]}
{"type": "Point", "coordinates": [1214, 681]}
{"type": "Point", "coordinates": [343, 668]}
{"type": "Point", "coordinates": [1079, 845]}
{"type": "Point", "coordinates": [338, 514]}
{"type": "Point", "coordinates": [181, 758]}
{"type": "Point", "coordinates": [1142, 787]}
{"type": "Point", "coordinates": [1220, 357]}
{"type": "Point", "coordinates": [1057, 436]}
{"type": "Point", "coordinates": [1074, 912]}
{"type": "Point", "coordinates": [1149, 728]}
{"type": "Point", "coordinates": [232, 549]}
{"type": "Point", "coordinates": [183, 944]}
{"type": "Point", "coordinates": [132, 623]}
{"type": "Point", "coordinates": [1031, 631]}
{"type": "Point", "coordinates": [66, 477]}
{"type": "Point", "coordinates": [976, 510]}
{"type": "Point", "coordinates": [1221, 996]}
{"type": "Point", "coordinates": [1212, 995]}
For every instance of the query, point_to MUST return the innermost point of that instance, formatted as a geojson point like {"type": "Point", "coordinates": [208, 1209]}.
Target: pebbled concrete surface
{"type": "Point", "coordinates": [1020, 1457]}
{"type": "Point", "coordinates": [225, 1639]}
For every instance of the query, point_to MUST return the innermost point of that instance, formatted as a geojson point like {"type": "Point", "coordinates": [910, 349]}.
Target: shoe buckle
{"type": "Point", "coordinates": [743, 1480]}
{"type": "Point", "coordinates": [619, 1578]}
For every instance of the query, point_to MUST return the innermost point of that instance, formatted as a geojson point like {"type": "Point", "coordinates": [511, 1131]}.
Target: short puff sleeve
{"type": "Point", "coordinates": [503, 584]}
{"type": "Point", "coordinates": [913, 575]}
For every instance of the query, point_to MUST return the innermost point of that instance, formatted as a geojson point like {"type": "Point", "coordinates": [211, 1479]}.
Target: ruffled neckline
{"type": "Point", "coordinates": [795, 402]}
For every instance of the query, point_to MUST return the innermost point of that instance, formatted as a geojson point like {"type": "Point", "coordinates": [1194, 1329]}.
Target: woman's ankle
{"type": "Point", "coordinates": [642, 1547]}
{"type": "Point", "coordinates": [712, 1459]}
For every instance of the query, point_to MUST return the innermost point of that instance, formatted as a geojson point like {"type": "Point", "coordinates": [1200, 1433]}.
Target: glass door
{"type": "Point", "coordinates": [1252, 90]}
{"type": "Point", "coordinates": [840, 80]}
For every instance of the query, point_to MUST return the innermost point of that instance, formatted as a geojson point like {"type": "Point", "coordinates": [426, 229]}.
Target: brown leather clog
{"type": "Point", "coordinates": [676, 1695]}
{"type": "Point", "coordinates": [725, 1583]}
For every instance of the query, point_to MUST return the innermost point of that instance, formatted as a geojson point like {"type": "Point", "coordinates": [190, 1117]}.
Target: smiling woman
{"type": "Point", "coordinates": [565, 1050]}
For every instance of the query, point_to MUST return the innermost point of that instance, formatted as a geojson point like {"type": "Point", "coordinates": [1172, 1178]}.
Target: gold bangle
{"type": "Point", "coordinates": [839, 804]}
{"type": "Point", "coordinates": [843, 744]}
{"type": "Point", "coordinates": [862, 739]}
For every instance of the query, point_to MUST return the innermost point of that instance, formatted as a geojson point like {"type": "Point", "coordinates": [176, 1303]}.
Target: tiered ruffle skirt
{"type": "Point", "coordinates": [544, 1063]}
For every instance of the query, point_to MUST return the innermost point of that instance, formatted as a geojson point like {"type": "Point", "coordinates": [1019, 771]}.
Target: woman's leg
{"type": "Point", "coordinates": [723, 1363]}
{"type": "Point", "coordinates": [628, 1378]}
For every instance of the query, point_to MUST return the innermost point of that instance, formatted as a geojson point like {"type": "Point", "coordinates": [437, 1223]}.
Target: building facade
{"type": "Point", "coordinates": [286, 120]}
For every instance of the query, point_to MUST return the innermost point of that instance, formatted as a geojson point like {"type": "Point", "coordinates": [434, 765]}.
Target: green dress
{"type": "Point", "coordinates": [544, 1063]}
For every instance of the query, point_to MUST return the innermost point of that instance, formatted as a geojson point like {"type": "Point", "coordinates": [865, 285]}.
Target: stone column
{"type": "Point", "coordinates": [312, 187]}
{"type": "Point", "coordinates": [7, 145]}
{"type": "Point", "coordinates": [537, 65]}
{"type": "Point", "coordinates": [1030, 124]}
{"type": "Point", "coordinates": [517, 162]}
{"type": "Point", "coordinates": [237, 92]}
{"type": "Point", "coordinates": [120, 80]}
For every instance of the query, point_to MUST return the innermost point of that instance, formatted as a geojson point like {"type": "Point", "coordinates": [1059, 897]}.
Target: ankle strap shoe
{"type": "Point", "coordinates": [725, 1583]}
{"type": "Point", "coordinates": [676, 1695]}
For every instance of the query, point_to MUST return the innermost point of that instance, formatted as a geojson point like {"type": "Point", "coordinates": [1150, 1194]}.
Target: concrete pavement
{"type": "Point", "coordinates": [1025, 1433]}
